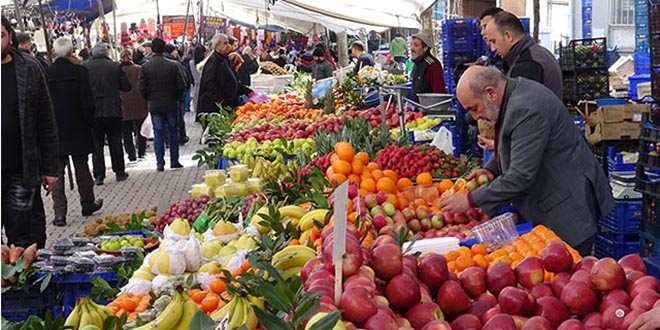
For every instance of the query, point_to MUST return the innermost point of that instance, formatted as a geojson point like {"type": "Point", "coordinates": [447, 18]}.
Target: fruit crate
{"type": "Point", "coordinates": [453, 29]}
{"type": "Point", "coordinates": [642, 63]}
{"type": "Point", "coordinates": [607, 246]}
{"type": "Point", "coordinates": [70, 287]}
{"type": "Point", "coordinates": [615, 163]}
{"type": "Point", "coordinates": [653, 266]}
{"type": "Point", "coordinates": [649, 246]}
{"type": "Point", "coordinates": [583, 54]}
{"type": "Point", "coordinates": [17, 305]}
{"type": "Point", "coordinates": [624, 218]}
{"type": "Point", "coordinates": [655, 82]}
{"type": "Point", "coordinates": [654, 17]}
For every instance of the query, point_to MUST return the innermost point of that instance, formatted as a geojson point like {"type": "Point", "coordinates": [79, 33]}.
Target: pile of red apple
{"type": "Point", "coordinates": [383, 289]}
{"type": "Point", "coordinates": [375, 117]}
{"type": "Point", "coordinates": [420, 158]}
{"type": "Point", "coordinates": [289, 130]}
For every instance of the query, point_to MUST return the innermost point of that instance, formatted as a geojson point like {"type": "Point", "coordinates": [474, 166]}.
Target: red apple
{"type": "Point", "coordinates": [387, 261]}
{"type": "Point", "coordinates": [379, 221]}
{"type": "Point", "coordinates": [537, 323]}
{"type": "Point", "coordinates": [473, 281]}
{"type": "Point", "coordinates": [403, 291]}
{"type": "Point", "coordinates": [381, 320]}
{"type": "Point", "coordinates": [585, 263]}
{"type": "Point", "coordinates": [542, 290]}
{"type": "Point", "coordinates": [612, 317]}
{"type": "Point", "coordinates": [422, 313]}
{"type": "Point", "coordinates": [556, 258]}
{"type": "Point", "coordinates": [519, 320]}
{"type": "Point", "coordinates": [500, 322]}
{"type": "Point", "coordinates": [433, 270]}
{"type": "Point", "coordinates": [644, 300]}
{"type": "Point", "coordinates": [426, 293]}
{"type": "Point", "coordinates": [530, 272]}
{"type": "Point", "coordinates": [630, 318]}
{"type": "Point", "coordinates": [607, 275]}
{"type": "Point", "coordinates": [592, 320]}
{"type": "Point", "coordinates": [500, 275]}
{"type": "Point", "coordinates": [571, 324]}
{"type": "Point", "coordinates": [452, 299]}
{"type": "Point", "coordinates": [357, 305]}
{"type": "Point", "coordinates": [465, 322]}
{"type": "Point", "coordinates": [414, 225]}
{"type": "Point", "coordinates": [490, 313]}
{"type": "Point", "coordinates": [403, 322]}
{"type": "Point", "coordinates": [583, 276]}
{"type": "Point", "coordinates": [478, 308]}
{"type": "Point", "coordinates": [632, 262]}
{"type": "Point", "coordinates": [359, 280]}
{"type": "Point", "coordinates": [410, 261]}
{"type": "Point", "coordinates": [579, 297]}
{"type": "Point", "coordinates": [516, 301]}
{"type": "Point", "coordinates": [643, 283]}
{"type": "Point", "coordinates": [382, 240]}
{"type": "Point", "coordinates": [558, 283]}
{"type": "Point", "coordinates": [488, 298]}
{"type": "Point", "coordinates": [311, 266]}
{"type": "Point", "coordinates": [552, 309]}
{"type": "Point", "coordinates": [437, 325]}
{"type": "Point", "coordinates": [613, 298]}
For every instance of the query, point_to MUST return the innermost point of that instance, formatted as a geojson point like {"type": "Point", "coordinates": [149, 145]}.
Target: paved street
{"type": "Point", "coordinates": [143, 189]}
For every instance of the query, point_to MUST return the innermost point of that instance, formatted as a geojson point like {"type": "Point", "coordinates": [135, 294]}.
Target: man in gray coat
{"type": "Point", "coordinates": [541, 164]}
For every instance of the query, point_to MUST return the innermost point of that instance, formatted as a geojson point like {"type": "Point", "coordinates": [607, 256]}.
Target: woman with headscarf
{"type": "Point", "coordinates": [134, 109]}
{"type": "Point", "coordinates": [249, 66]}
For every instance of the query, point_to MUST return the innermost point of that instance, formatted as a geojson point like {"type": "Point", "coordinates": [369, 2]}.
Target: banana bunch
{"type": "Point", "coordinates": [291, 214]}
{"type": "Point", "coordinates": [87, 312]}
{"type": "Point", "coordinates": [239, 311]}
{"type": "Point", "coordinates": [307, 221]}
{"type": "Point", "coordinates": [272, 170]}
{"type": "Point", "coordinates": [291, 259]}
{"type": "Point", "coordinates": [176, 316]}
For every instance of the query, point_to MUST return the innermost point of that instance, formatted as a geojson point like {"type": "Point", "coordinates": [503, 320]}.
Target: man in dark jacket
{"type": "Point", "coordinates": [522, 55]}
{"type": "Point", "coordinates": [427, 75]}
{"type": "Point", "coordinates": [29, 144]}
{"type": "Point", "coordinates": [363, 59]}
{"type": "Point", "coordinates": [220, 82]}
{"type": "Point", "coordinates": [171, 53]}
{"type": "Point", "coordinates": [161, 84]}
{"type": "Point", "coordinates": [249, 66]}
{"type": "Point", "coordinates": [74, 111]}
{"type": "Point", "coordinates": [25, 45]}
{"type": "Point", "coordinates": [107, 79]}
{"type": "Point", "coordinates": [134, 110]}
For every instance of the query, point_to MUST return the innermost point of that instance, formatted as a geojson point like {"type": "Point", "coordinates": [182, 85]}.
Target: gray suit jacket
{"type": "Point", "coordinates": [544, 166]}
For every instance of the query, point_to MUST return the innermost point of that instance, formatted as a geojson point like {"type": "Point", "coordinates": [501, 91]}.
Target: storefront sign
{"type": "Point", "coordinates": [173, 25]}
{"type": "Point", "coordinates": [214, 22]}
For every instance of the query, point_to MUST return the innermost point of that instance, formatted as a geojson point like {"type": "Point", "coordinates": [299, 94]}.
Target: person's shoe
{"type": "Point", "coordinates": [160, 168]}
{"type": "Point", "coordinates": [142, 156]}
{"type": "Point", "coordinates": [121, 176]}
{"type": "Point", "coordinates": [97, 205]}
{"type": "Point", "coordinates": [59, 221]}
{"type": "Point", "coordinates": [184, 140]}
{"type": "Point", "coordinates": [176, 165]}
{"type": "Point", "coordinates": [98, 181]}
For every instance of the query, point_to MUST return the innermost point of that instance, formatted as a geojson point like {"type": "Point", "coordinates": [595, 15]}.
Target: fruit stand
{"type": "Point", "coordinates": [313, 216]}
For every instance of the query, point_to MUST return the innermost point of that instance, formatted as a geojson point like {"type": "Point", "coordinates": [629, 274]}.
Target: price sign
{"type": "Point", "coordinates": [339, 242]}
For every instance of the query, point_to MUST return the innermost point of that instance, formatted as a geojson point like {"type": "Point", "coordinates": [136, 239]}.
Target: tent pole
{"type": "Point", "coordinates": [43, 26]}
{"type": "Point", "coordinates": [185, 23]}
{"type": "Point", "coordinates": [114, 22]}
{"type": "Point", "coordinates": [201, 19]}
{"type": "Point", "coordinates": [158, 27]}
{"type": "Point", "coordinates": [18, 16]}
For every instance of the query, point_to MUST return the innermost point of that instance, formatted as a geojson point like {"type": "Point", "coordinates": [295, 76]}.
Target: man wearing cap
{"type": "Point", "coordinates": [427, 75]}
{"type": "Point", "coordinates": [363, 59]}
{"type": "Point", "coordinates": [148, 53]}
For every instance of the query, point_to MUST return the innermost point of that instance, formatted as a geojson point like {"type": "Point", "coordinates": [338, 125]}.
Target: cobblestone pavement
{"type": "Point", "coordinates": [143, 189]}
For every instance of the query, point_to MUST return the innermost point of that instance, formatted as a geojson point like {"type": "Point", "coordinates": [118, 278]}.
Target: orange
{"type": "Point", "coordinates": [463, 262]}
{"type": "Point", "coordinates": [403, 183]}
{"type": "Point", "coordinates": [362, 191]}
{"type": "Point", "coordinates": [329, 172]}
{"type": "Point", "coordinates": [334, 157]}
{"type": "Point", "coordinates": [357, 166]}
{"type": "Point", "coordinates": [451, 266]}
{"type": "Point", "coordinates": [338, 178]}
{"type": "Point", "coordinates": [363, 157]}
{"type": "Point", "coordinates": [366, 175]}
{"type": "Point", "coordinates": [210, 302]}
{"type": "Point", "coordinates": [197, 295]}
{"type": "Point", "coordinates": [420, 202]}
{"type": "Point", "coordinates": [352, 217]}
{"type": "Point", "coordinates": [387, 185]}
{"type": "Point", "coordinates": [459, 185]}
{"type": "Point", "coordinates": [342, 167]}
{"type": "Point", "coordinates": [394, 200]}
{"type": "Point", "coordinates": [464, 251]}
{"type": "Point", "coordinates": [444, 185]}
{"type": "Point", "coordinates": [368, 184]}
{"type": "Point", "coordinates": [345, 151]}
{"type": "Point", "coordinates": [403, 202]}
{"type": "Point", "coordinates": [349, 205]}
{"type": "Point", "coordinates": [479, 249]}
{"type": "Point", "coordinates": [377, 174]}
{"type": "Point", "coordinates": [451, 255]}
{"type": "Point", "coordinates": [373, 166]}
{"type": "Point", "coordinates": [424, 179]}
{"type": "Point", "coordinates": [480, 261]}
{"type": "Point", "coordinates": [128, 304]}
{"type": "Point", "coordinates": [354, 179]}
{"type": "Point", "coordinates": [516, 256]}
{"type": "Point", "coordinates": [218, 285]}
{"type": "Point", "coordinates": [391, 174]}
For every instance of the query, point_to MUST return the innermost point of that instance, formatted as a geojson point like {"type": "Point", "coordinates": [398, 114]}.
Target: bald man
{"type": "Point", "coordinates": [541, 164]}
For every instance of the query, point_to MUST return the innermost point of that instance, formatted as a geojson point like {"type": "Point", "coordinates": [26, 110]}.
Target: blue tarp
{"type": "Point", "coordinates": [87, 9]}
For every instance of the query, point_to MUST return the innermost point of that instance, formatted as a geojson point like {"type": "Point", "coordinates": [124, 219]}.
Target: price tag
{"type": "Point", "coordinates": [339, 243]}
{"type": "Point", "coordinates": [201, 223]}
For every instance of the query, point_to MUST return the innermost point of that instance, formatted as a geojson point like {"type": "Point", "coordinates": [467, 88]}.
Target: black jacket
{"type": "Point", "coordinates": [38, 126]}
{"type": "Point", "coordinates": [530, 60]}
{"type": "Point", "coordinates": [249, 67]}
{"type": "Point", "coordinates": [161, 83]}
{"type": "Point", "coordinates": [74, 106]}
{"type": "Point", "coordinates": [107, 79]}
{"type": "Point", "coordinates": [219, 84]}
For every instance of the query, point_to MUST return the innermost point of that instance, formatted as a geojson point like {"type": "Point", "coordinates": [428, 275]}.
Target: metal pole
{"type": "Point", "coordinates": [185, 23]}
{"type": "Point", "coordinates": [114, 22]}
{"type": "Point", "coordinates": [200, 31]}
{"type": "Point", "coordinates": [43, 26]}
{"type": "Point", "coordinates": [158, 27]}
{"type": "Point", "coordinates": [18, 16]}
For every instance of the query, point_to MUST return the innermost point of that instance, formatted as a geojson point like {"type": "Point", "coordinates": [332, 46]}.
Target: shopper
{"type": "Point", "coordinates": [162, 84]}
{"type": "Point", "coordinates": [249, 67]}
{"type": "Point", "coordinates": [363, 59]}
{"type": "Point", "coordinates": [74, 111]}
{"type": "Point", "coordinates": [321, 68]}
{"type": "Point", "coordinates": [398, 48]}
{"type": "Point", "coordinates": [650, 320]}
{"type": "Point", "coordinates": [107, 79]}
{"type": "Point", "coordinates": [326, 54]}
{"type": "Point", "coordinates": [134, 110]}
{"type": "Point", "coordinates": [280, 58]}
{"type": "Point", "coordinates": [198, 56]}
{"type": "Point", "coordinates": [522, 55]}
{"type": "Point", "coordinates": [427, 75]}
{"type": "Point", "coordinates": [220, 82]}
{"type": "Point", "coordinates": [26, 46]}
{"type": "Point", "coordinates": [147, 51]}
{"type": "Point", "coordinates": [29, 144]}
{"type": "Point", "coordinates": [541, 163]}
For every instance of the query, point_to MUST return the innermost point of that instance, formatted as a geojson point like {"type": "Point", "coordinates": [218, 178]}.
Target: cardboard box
{"type": "Point", "coordinates": [625, 112]}
{"type": "Point", "coordinates": [612, 131]}
{"type": "Point", "coordinates": [614, 122]}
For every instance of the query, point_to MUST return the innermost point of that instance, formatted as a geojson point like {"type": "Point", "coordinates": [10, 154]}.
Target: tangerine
{"type": "Point", "coordinates": [363, 157]}
{"type": "Point", "coordinates": [345, 151]}
{"type": "Point", "coordinates": [210, 302]}
{"type": "Point", "coordinates": [354, 179]}
{"type": "Point", "coordinates": [197, 295]}
{"type": "Point", "coordinates": [128, 304]}
{"type": "Point", "coordinates": [463, 262]}
{"type": "Point", "coordinates": [338, 178]}
{"type": "Point", "coordinates": [218, 285]}
{"type": "Point", "coordinates": [424, 179]}
{"type": "Point", "coordinates": [479, 249]}
{"type": "Point", "coordinates": [357, 166]}
{"type": "Point", "coordinates": [451, 255]}
{"type": "Point", "coordinates": [377, 174]}
{"type": "Point", "coordinates": [391, 174]}
{"type": "Point", "coordinates": [368, 184]}
{"type": "Point", "coordinates": [373, 166]}
{"type": "Point", "coordinates": [387, 185]}
{"type": "Point", "coordinates": [445, 185]}
{"type": "Point", "coordinates": [342, 167]}
{"type": "Point", "coordinates": [394, 200]}
{"type": "Point", "coordinates": [480, 261]}
{"type": "Point", "coordinates": [403, 183]}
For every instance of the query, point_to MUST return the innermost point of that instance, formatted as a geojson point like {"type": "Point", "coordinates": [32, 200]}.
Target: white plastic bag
{"type": "Point", "coordinates": [443, 140]}
{"type": "Point", "coordinates": [193, 253]}
{"type": "Point", "coordinates": [147, 129]}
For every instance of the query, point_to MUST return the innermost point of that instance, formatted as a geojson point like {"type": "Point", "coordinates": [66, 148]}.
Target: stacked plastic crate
{"type": "Point", "coordinates": [648, 183]}
{"type": "Point", "coordinates": [460, 43]}
{"type": "Point", "coordinates": [654, 44]}
{"type": "Point", "coordinates": [586, 19]}
{"type": "Point", "coordinates": [584, 69]}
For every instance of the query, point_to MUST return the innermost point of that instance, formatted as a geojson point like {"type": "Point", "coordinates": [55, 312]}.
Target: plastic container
{"type": "Point", "coordinates": [74, 286]}
{"type": "Point", "coordinates": [497, 231]}
{"type": "Point", "coordinates": [607, 247]}
{"type": "Point", "coordinates": [62, 246]}
{"type": "Point", "coordinates": [80, 241]}
{"type": "Point", "coordinates": [649, 246]}
{"type": "Point", "coordinates": [625, 217]}
{"type": "Point", "coordinates": [633, 81]}
{"type": "Point", "coordinates": [255, 185]}
{"type": "Point", "coordinates": [239, 173]}
{"type": "Point", "coordinates": [214, 177]}
{"type": "Point", "coordinates": [430, 194]}
{"type": "Point", "coordinates": [201, 189]}
{"type": "Point", "coordinates": [653, 266]}
{"type": "Point", "coordinates": [17, 305]}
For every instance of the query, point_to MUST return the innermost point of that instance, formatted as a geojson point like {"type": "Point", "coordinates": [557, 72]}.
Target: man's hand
{"type": "Point", "coordinates": [481, 171]}
{"type": "Point", "coordinates": [486, 143]}
{"type": "Point", "coordinates": [650, 320]}
{"type": "Point", "coordinates": [48, 182]}
{"type": "Point", "coordinates": [455, 203]}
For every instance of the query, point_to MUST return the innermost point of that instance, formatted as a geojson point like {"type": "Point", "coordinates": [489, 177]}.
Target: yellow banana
{"type": "Point", "coordinates": [286, 274]}
{"type": "Point", "coordinates": [74, 318]}
{"type": "Point", "coordinates": [211, 267]}
{"type": "Point", "coordinates": [222, 312]}
{"type": "Point", "coordinates": [304, 237]}
{"type": "Point", "coordinates": [189, 310]}
{"type": "Point", "coordinates": [294, 211]}
{"type": "Point", "coordinates": [292, 256]}
{"type": "Point", "coordinates": [170, 315]}
{"type": "Point", "coordinates": [251, 320]}
{"type": "Point", "coordinates": [94, 316]}
{"type": "Point", "coordinates": [237, 314]}
{"type": "Point", "coordinates": [307, 220]}
{"type": "Point", "coordinates": [84, 316]}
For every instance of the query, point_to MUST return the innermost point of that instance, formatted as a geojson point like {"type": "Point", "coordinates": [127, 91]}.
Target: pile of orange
{"type": "Point", "coordinates": [529, 244]}
{"type": "Point", "coordinates": [213, 298]}
{"type": "Point", "coordinates": [282, 108]}
{"type": "Point", "coordinates": [129, 304]}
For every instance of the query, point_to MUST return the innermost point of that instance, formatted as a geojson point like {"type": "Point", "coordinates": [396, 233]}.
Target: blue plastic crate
{"type": "Point", "coordinates": [615, 163]}
{"type": "Point", "coordinates": [641, 43]}
{"type": "Point", "coordinates": [642, 62]}
{"type": "Point", "coordinates": [461, 45]}
{"type": "Point", "coordinates": [617, 237]}
{"type": "Point", "coordinates": [586, 3]}
{"type": "Point", "coordinates": [456, 28]}
{"type": "Point", "coordinates": [606, 247]}
{"type": "Point", "coordinates": [653, 266]}
{"type": "Point", "coordinates": [633, 81]}
{"type": "Point", "coordinates": [649, 246]}
{"type": "Point", "coordinates": [17, 305]}
{"type": "Point", "coordinates": [625, 216]}
{"type": "Point", "coordinates": [70, 287]}
{"type": "Point", "coordinates": [610, 101]}
{"type": "Point", "coordinates": [225, 163]}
